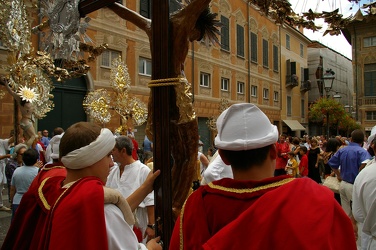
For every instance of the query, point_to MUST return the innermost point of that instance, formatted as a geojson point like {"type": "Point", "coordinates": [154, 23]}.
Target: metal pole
{"type": "Point", "coordinates": [327, 124]}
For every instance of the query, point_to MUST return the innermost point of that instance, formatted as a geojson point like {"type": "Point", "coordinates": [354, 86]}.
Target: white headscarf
{"type": "Point", "coordinates": [92, 153]}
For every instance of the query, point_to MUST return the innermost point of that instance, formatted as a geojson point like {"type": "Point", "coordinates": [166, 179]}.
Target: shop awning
{"type": "Point", "coordinates": [294, 125]}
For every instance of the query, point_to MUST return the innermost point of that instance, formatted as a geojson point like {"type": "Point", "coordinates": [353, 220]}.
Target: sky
{"type": "Point", "coordinates": [346, 8]}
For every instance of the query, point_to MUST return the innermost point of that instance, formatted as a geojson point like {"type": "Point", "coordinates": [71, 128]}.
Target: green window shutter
{"type": "Point", "coordinates": [225, 34]}
{"type": "Point", "coordinates": [253, 47]}
{"type": "Point", "coordinates": [240, 40]}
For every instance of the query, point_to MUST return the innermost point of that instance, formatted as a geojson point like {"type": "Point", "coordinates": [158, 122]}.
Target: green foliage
{"type": "Point", "coordinates": [324, 107]}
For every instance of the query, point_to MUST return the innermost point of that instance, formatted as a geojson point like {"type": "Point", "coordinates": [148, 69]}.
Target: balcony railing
{"type": "Point", "coordinates": [369, 100]}
{"type": "Point", "coordinates": [305, 86]}
{"type": "Point", "coordinates": [292, 81]}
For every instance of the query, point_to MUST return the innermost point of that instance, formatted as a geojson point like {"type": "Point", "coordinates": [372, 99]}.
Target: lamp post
{"type": "Point", "coordinates": [338, 98]}
{"type": "Point", "coordinates": [328, 79]}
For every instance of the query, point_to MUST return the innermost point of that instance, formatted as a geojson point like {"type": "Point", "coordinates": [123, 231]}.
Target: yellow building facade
{"type": "Point", "coordinates": [248, 66]}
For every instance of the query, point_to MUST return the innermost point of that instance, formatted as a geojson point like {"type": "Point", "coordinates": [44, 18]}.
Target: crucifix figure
{"type": "Point", "coordinates": [191, 23]}
{"type": "Point", "coordinates": [27, 114]}
{"type": "Point", "coordinates": [187, 25]}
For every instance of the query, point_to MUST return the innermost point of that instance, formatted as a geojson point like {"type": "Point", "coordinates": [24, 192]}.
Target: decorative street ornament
{"type": "Point", "coordinates": [98, 103]}
{"type": "Point", "coordinates": [27, 94]}
{"type": "Point", "coordinates": [63, 36]}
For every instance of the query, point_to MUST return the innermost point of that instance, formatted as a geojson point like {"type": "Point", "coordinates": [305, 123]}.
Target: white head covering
{"type": "Point", "coordinates": [372, 135]}
{"type": "Point", "coordinates": [92, 153]}
{"type": "Point", "coordinates": [55, 142]}
{"type": "Point", "coordinates": [244, 126]}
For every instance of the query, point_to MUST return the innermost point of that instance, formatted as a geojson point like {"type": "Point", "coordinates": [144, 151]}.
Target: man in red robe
{"type": "Point", "coordinates": [69, 208]}
{"type": "Point", "coordinates": [255, 210]}
{"type": "Point", "coordinates": [283, 148]}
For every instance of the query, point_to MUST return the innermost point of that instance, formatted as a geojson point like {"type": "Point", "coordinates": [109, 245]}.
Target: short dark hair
{"type": "Point", "coordinates": [295, 141]}
{"type": "Point", "coordinates": [332, 145]}
{"type": "Point", "coordinates": [124, 142]}
{"type": "Point", "coordinates": [246, 159]}
{"type": "Point", "coordinates": [77, 136]}
{"type": "Point", "coordinates": [303, 148]}
{"type": "Point", "coordinates": [357, 136]}
{"type": "Point", "coordinates": [30, 157]}
{"type": "Point", "coordinates": [58, 131]}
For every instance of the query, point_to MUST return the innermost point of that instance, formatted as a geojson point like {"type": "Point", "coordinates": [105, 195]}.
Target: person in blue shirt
{"type": "Point", "coordinates": [148, 148]}
{"type": "Point", "coordinates": [345, 164]}
{"type": "Point", "coordinates": [45, 139]}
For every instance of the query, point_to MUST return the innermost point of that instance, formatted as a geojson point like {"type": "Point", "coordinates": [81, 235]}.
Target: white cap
{"type": "Point", "coordinates": [55, 142]}
{"type": "Point", "coordinates": [372, 135]}
{"type": "Point", "coordinates": [244, 126]}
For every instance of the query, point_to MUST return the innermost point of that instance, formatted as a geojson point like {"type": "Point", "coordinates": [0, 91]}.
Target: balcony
{"type": "Point", "coordinates": [292, 81]}
{"type": "Point", "coordinates": [305, 86]}
{"type": "Point", "coordinates": [369, 100]}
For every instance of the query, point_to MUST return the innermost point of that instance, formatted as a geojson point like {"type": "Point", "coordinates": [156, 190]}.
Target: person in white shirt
{"type": "Point", "coordinates": [128, 175]}
{"type": "Point", "coordinates": [216, 170]}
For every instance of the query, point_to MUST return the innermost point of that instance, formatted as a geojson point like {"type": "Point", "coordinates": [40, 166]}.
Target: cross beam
{"type": "Point", "coordinates": [87, 6]}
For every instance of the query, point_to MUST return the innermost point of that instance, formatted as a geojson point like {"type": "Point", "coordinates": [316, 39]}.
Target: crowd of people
{"type": "Point", "coordinates": [248, 185]}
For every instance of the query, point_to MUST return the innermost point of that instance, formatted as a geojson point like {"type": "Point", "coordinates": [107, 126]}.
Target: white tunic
{"type": "Point", "coordinates": [364, 205]}
{"type": "Point", "coordinates": [217, 170]}
{"type": "Point", "coordinates": [120, 235]}
{"type": "Point", "coordinates": [133, 176]}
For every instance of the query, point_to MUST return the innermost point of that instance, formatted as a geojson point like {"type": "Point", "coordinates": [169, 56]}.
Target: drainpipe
{"type": "Point", "coordinates": [249, 55]}
{"type": "Point", "coordinates": [193, 72]}
{"type": "Point", "coordinates": [356, 79]}
{"type": "Point", "coordinates": [280, 78]}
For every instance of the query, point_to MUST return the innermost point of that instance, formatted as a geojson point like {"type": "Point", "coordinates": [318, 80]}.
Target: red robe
{"type": "Point", "coordinates": [76, 217]}
{"type": "Point", "coordinates": [281, 161]}
{"type": "Point", "coordinates": [303, 165]}
{"type": "Point", "coordinates": [275, 213]}
{"type": "Point", "coordinates": [25, 231]}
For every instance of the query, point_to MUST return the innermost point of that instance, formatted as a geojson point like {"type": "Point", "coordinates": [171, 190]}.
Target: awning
{"type": "Point", "coordinates": [294, 125]}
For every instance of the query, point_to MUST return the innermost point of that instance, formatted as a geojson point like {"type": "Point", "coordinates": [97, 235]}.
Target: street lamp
{"type": "Point", "coordinates": [328, 79]}
{"type": "Point", "coordinates": [338, 98]}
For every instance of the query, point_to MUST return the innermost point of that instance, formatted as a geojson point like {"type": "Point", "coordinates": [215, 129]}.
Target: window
{"type": "Point", "coordinates": [225, 34]}
{"type": "Point", "coordinates": [369, 41]}
{"type": "Point", "coordinates": [108, 56]}
{"type": "Point", "coordinates": [145, 8]}
{"type": "Point", "coordinates": [370, 79]}
{"type": "Point", "coordinates": [254, 91]}
{"type": "Point", "coordinates": [276, 96]}
{"type": "Point", "coordinates": [275, 58]}
{"type": "Point", "coordinates": [302, 113]}
{"type": "Point", "coordinates": [240, 88]}
{"type": "Point", "coordinates": [144, 66]}
{"type": "Point", "coordinates": [301, 50]}
{"type": "Point", "coordinates": [302, 75]}
{"type": "Point", "coordinates": [291, 77]}
{"type": "Point", "coordinates": [225, 84]}
{"type": "Point", "coordinates": [253, 47]}
{"type": "Point", "coordinates": [371, 115]}
{"type": "Point", "coordinates": [265, 93]}
{"type": "Point", "coordinates": [289, 105]}
{"type": "Point", "coordinates": [204, 80]}
{"type": "Point", "coordinates": [240, 40]}
{"type": "Point", "coordinates": [288, 42]}
{"type": "Point", "coordinates": [265, 53]}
